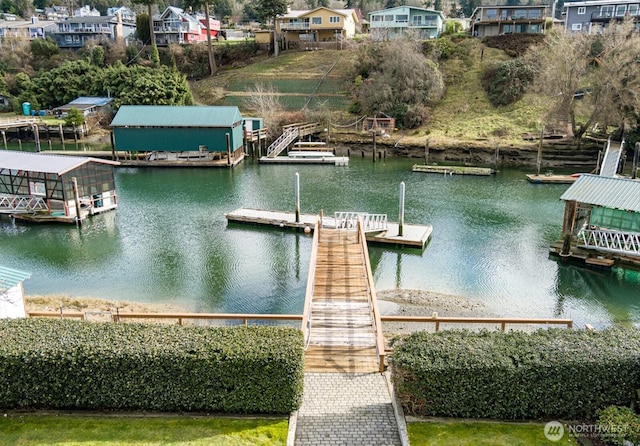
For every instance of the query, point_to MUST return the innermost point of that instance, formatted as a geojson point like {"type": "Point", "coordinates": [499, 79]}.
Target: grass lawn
{"type": "Point", "coordinates": [472, 433]}
{"type": "Point", "coordinates": [65, 430]}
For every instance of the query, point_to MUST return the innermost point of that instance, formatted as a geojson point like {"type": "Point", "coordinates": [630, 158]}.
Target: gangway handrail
{"type": "Point", "coordinates": [371, 222]}
{"type": "Point", "coordinates": [371, 295]}
{"type": "Point", "coordinates": [282, 141]}
{"type": "Point", "coordinates": [610, 240]}
{"type": "Point", "coordinates": [15, 204]}
{"type": "Point", "coordinates": [311, 279]}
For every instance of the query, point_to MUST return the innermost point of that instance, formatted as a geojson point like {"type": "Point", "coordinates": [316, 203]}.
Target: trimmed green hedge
{"type": "Point", "coordinates": [65, 364]}
{"type": "Point", "coordinates": [555, 373]}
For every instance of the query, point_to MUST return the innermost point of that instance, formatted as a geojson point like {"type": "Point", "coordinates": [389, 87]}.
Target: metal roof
{"type": "Point", "coordinates": [610, 192]}
{"type": "Point", "coordinates": [11, 277]}
{"type": "Point", "coordinates": [176, 116]}
{"type": "Point", "coordinates": [39, 162]}
{"type": "Point", "coordinates": [86, 100]}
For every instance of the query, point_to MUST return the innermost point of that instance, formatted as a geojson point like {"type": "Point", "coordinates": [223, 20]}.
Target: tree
{"type": "Point", "coordinates": [604, 65]}
{"type": "Point", "coordinates": [399, 80]}
{"type": "Point", "coordinates": [142, 28]}
{"type": "Point", "coordinates": [263, 101]}
{"type": "Point", "coordinates": [195, 4]}
{"type": "Point", "coordinates": [152, 35]}
{"type": "Point", "coordinates": [74, 117]}
{"type": "Point", "coordinates": [268, 11]}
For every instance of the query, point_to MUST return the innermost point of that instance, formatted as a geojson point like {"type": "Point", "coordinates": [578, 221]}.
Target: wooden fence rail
{"type": "Point", "coordinates": [437, 320]}
{"type": "Point", "coordinates": [180, 317]}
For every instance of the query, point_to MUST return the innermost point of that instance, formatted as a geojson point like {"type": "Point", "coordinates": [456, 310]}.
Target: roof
{"type": "Point", "coordinates": [610, 192]}
{"type": "Point", "coordinates": [11, 277]}
{"type": "Point", "coordinates": [597, 3]}
{"type": "Point", "coordinates": [39, 162]}
{"type": "Point", "coordinates": [176, 116]}
{"type": "Point", "coordinates": [86, 100]}
{"type": "Point", "coordinates": [297, 13]}
{"type": "Point", "coordinates": [89, 19]}
{"type": "Point", "coordinates": [417, 8]}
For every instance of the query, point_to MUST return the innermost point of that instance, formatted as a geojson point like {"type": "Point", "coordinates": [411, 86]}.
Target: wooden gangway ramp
{"type": "Point", "coordinates": [341, 320]}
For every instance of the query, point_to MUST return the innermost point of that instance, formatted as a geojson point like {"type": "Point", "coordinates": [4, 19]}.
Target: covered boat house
{"type": "Point", "coordinates": [41, 188]}
{"type": "Point", "coordinates": [12, 293]}
{"type": "Point", "coordinates": [179, 135]}
{"type": "Point", "coordinates": [602, 220]}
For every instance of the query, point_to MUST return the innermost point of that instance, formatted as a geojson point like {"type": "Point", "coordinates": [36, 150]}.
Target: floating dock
{"type": "Point", "coordinates": [552, 179]}
{"type": "Point", "coordinates": [453, 170]}
{"type": "Point", "coordinates": [307, 157]}
{"type": "Point", "coordinates": [414, 236]}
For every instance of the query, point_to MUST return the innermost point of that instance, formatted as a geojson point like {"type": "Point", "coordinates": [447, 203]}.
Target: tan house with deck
{"type": "Point", "coordinates": [317, 25]}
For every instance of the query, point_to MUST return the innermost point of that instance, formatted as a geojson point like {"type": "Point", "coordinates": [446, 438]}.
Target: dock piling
{"type": "Point", "coordinates": [297, 196]}
{"type": "Point", "coordinates": [401, 211]}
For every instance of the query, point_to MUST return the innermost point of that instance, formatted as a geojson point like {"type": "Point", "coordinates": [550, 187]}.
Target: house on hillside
{"type": "Point", "coordinates": [173, 133]}
{"type": "Point", "coordinates": [421, 23]}
{"type": "Point", "coordinates": [602, 220]}
{"type": "Point", "coordinates": [87, 105]}
{"type": "Point", "coordinates": [496, 20]}
{"type": "Point", "coordinates": [86, 11]}
{"type": "Point", "coordinates": [76, 31]}
{"type": "Point", "coordinates": [55, 13]}
{"type": "Point", "coordinates": [316, 28]}
{"type": "Point", "coordinates": [41, 188]}
{"type": "Point", "coordinates": [175, 26]}
{"type": "Point", "coordinates": [593, 16]}
{"type": "Point", "coordinates": [25, 29]}
{"type": "Point", "coordinates": [127, 14]}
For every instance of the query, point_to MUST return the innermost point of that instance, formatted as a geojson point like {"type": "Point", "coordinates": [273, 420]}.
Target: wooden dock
{"type": "Point", "coordinates": [341, 322]}
{"type": "Point", "coordinates": [413, 236]}
{"type": "Point", "coordinates": [453, 170]}
{"type": "Point", "coordinates": [551, 179]}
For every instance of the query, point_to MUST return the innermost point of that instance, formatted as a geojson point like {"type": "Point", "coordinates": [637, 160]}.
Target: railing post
{"type": "Point", "coordinates": [297, 196]}
{"type": "Point", "coordinates": [401, 211]}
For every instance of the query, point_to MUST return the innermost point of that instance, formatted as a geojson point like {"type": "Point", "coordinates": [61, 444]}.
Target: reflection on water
{"type": "Point", "coordinates": [169, 242]}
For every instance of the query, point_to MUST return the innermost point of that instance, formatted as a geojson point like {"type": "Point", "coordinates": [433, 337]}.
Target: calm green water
{"type": "Point", "coordinates": [169, 242]}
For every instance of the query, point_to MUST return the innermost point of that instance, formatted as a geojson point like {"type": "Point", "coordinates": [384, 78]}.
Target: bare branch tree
{"type": "Point", "coordinates": [264, 102]}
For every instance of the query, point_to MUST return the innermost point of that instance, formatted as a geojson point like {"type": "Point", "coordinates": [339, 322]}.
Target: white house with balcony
{"type": "Point", "coordinates": [420, 23]}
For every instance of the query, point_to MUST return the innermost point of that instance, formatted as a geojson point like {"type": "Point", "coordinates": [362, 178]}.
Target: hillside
{"type": "Point", "coordinates": [463, 120]}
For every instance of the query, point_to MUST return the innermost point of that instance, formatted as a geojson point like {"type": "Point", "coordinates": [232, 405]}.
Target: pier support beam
{"type": "Point", "coordinates": [297, 196]}
{"type": "Point", "coordinates": [401, 211]}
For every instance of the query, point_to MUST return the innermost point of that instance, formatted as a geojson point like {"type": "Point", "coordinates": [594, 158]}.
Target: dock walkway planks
{"type": "Point", "coordinates": [415, 236]}
{"type": "Point", "coordinates": [342, 336]}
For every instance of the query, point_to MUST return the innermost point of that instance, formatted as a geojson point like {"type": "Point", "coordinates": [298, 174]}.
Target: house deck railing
{"type": "Point", "coordinates": [627, 243]}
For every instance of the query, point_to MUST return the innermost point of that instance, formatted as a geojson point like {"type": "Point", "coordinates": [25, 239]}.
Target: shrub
{"type": "Point", "coordinates": [553, 373]}
{"type": "Point", "coordinates": [62, 364]}
{"type": "Point", "coordinates": [619, 424]}
{"type": "Point", "coordinates": [506, 82]}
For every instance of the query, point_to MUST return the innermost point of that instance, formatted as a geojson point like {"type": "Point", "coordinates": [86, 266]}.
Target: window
{"type": "Point", "coordinates": [402, 18]}
{"type": "Point", "coordinates": [535, 14]}
{"type": "Point", "coordinates": [492, 14]}
{"type": "Point", "coordinates": [37, 188]}
{"type": "Point", "coordinates": [576, 27]}
{"type": "Point", "coordinates": [376, 18]}
{"type": "Point", "coordinates": [417, 20]}
{"type": "Point", "coordinates": [606, 11]}
{"type": "Point", "coordinates": [507, 29]}
{"type": "Point", "coordinates": [633, 9]}
{"type": "Point", "coordinates": [316, 20]}
{"type": "Point", "coordinates": [388, 18]}
{"type": "Point", "coordinates": [503, 15]}
{"type": "Point", "coordinates": [582, 10]}
{"type": "Point", "coordinates": [334, 19]}
{"type": "Point", "coordinates": [519, 14]}
{"type": "Point", "coordinates": [620, 10]}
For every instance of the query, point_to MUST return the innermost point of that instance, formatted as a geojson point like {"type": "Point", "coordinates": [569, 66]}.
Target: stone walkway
{"type": "Point", "coordinates": [346, 409]}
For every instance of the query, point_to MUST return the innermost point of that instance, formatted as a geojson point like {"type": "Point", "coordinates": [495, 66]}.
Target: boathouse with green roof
{"type": "Point", "coordinates": [175, 134]}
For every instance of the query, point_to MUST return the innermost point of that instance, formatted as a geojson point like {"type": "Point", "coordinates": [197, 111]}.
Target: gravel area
{"type": "Point", "coordinates": [425, 303]}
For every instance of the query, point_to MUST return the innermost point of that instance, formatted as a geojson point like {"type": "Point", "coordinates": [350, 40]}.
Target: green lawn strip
{"type": "Point", "coordinates": [63, 430]}
{"type": "Point", "coordinates": [480, 433]}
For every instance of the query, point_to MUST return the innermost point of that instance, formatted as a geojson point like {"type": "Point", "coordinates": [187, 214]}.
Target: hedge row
{"type": "Point", "coordinates": [555, 373]}
{"type": "Point", "coordinates": [67, 364]}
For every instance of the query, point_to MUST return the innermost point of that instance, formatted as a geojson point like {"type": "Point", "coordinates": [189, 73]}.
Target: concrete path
{"type": "Point", "coordinates": [347, 409]}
